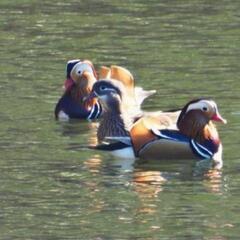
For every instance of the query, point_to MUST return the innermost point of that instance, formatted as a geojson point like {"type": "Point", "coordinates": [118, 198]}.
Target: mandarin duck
{"type": "Point", "coordinates": [81, 76]}
{"type": "Point", "coordinates": [194, 135]}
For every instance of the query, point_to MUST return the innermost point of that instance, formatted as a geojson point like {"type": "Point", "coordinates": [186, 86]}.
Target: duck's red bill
{"type": "Point", "coordinates": [218, 118]}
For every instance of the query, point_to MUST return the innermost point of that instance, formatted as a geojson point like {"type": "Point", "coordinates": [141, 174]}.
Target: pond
{"type": "Point", "coordinates": [51, 186]}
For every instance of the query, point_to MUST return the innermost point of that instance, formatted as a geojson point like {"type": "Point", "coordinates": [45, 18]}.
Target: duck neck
{"type": "Point", "coordinates": [210, 132]}
{"type": "Point", "coordinates": [79, 94]}
{"type": "Point", "coordinates": [198, 127]}
{"type": "Point", "coordinates": [113, 124]}
{"type": "Point", "coordinates": [202, 133]}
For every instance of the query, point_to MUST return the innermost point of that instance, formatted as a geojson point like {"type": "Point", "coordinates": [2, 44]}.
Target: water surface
{"type": "Point", "coordinates": [51, 186]}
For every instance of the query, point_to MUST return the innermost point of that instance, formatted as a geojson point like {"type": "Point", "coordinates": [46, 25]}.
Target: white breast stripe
{"type": "Point", "coordinates": [92, 111]}
{"type": "Point", "coordinates": [204, 148]}
{"type": "Point", "coordinates": [99, 108]}
{"type": "Point", "coordinates": [159, 133]}
{"type": "Point", "coordinates": [198, 147]}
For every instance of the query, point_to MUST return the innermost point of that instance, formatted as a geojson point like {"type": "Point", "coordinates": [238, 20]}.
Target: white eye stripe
{"type": "Point", "coordinates": [194, 106]}
{"type": "Point", "coordinates": [202, 105]}
{"type": "Point", "coordinates": [80, 67]}
{"type": "Point", "coordinates": [103, 88]}
{"type": "Point", "coordinates": [110, 89]}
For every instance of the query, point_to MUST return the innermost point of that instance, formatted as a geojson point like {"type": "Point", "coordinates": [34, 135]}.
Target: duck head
{"type": "Point", "coordinates": [196, 118]}
{"type": "Point", "coordinates": [81, 76]}
{"type": "Point", "coordinates": [110, 95]}
{"type": "Point", "coordinates": [80, 73]}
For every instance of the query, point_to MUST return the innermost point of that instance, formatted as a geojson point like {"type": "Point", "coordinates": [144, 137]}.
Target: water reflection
{"type": "Point", "coordinates": [94, 164]}
{"type": "Point", "coordinates": [56, 188]}
{"type": "Point", "coordinates": [78, 127]}
{"type": "Point", "coordinates": [147, 183]}
{"type": "Point", "coordinates": [149, 179]}
{"type": "Point", "coordinates": [213, 181]}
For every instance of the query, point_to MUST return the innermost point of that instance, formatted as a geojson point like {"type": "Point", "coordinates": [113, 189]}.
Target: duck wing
{"type": "Point", "coordinates": [159, 143]}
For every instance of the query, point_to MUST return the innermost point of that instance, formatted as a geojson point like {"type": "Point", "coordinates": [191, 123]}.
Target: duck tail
{"type": "Point", "coordinates": [142, 94]}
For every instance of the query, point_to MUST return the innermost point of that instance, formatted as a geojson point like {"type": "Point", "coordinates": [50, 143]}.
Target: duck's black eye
{"type": "Point", "coordinates": [102, 88]}
{"type": "Point", "coordinates": [204, 109]}
{"type": "Point", "coordinates": [79, 72]}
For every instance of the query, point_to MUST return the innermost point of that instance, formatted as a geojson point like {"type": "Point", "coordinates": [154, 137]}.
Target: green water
{"type": "Point", "coordinates": [53, 188]}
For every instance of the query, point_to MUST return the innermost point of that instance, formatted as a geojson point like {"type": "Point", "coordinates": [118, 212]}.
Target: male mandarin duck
{"type": "Point", "coordinates": [81, 76]}
{"type": "Point", "coordinates": [194, 136]}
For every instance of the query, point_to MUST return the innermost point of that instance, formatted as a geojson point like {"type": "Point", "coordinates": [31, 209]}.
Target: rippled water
{"type": "Point", "coordinates": [51, 186]}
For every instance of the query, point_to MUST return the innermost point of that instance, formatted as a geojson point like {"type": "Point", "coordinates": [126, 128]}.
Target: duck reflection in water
{"type": "Point", "coordinates": [148, 183]}
{"type": "Point", "coordinates": [150, 178]}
